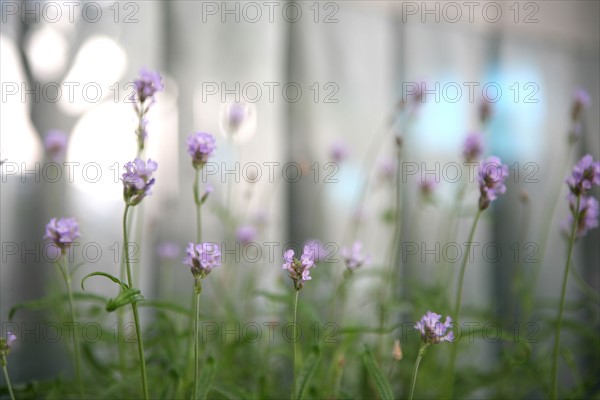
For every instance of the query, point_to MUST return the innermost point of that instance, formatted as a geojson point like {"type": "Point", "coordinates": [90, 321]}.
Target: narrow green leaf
{"type": "Point", "coordinates": [105, 274]}
{"type": "Point", "coordinates": [310, 367]}
{"type": "Point", "coordinates": [125, 297]}
{"type": "Point", "coordinates": [383, 386]}
{"type": "Point", "coordinates": [206, 377]}
{"type": "Point", "coordinates": [48, 301]}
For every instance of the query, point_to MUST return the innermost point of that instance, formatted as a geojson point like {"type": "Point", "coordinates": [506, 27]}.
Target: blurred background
{"type": "Point", "coordinates": [318, 75]}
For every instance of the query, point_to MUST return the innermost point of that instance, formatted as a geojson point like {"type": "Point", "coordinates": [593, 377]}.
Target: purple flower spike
{"type": "Point", "coordinates": [55, 144]}
{"type": "Point", "coordinates": [427, 187]}
{"type": "Point", "coordinates": [587, 219]}
{"type": "Point", "coordinates": [433, 331]}
{"type": "Point", "coordinates": [246, 234]}
{"type": "Point", "coordinates": [492, 174]}
{"type": "Point", "coordinates": [339, 151]}
{"type": "Point", "coordinates": [299, 270]}
{"type": "Point", "coordinates": [201, 146]}
{"type": "Point", "coordinates": [202, 258]}
{"type": "Point", "coordinates": [5, 345]}
{"type": "Point", "coordinates": [581, 101]}
{"type": "Point", "coordinates": [11, 338]}
{"type": "Point", "coordinates": [354, 256]}
{"type": "Point", "coordinates": [62, 232]}
{"type": "Point", "coordinates": [148, 84]}
{"type": "Point", "coordinates": [319, 250]}
{"type": "Point", "coordinates": [138, 180]}
{"type": "Point", "coordinates": [473, 147]}
{"type": "Point", "coordinates": [586, 173]}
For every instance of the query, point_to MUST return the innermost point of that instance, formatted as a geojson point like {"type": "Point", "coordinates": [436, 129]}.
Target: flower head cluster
{"type": "Point", "coordinates": [201, 146]}
{"type": "Point", "coordinates": [238, 121]}
{"type": "Point", "coordinates": [473, 147]}
{"type": "Point", "coordinates": [587, 217]}
{"type": "Point", "coordinates": [586, 173]}
{"type": "Point", "coordinates": [427, 187]}
{"type": "Point", "coordinates": [318, 249]}
{"type": "Point", "coordinates": [354, 257]}
{"type": "Point", "coordinates": [339, 151]}
{"type": "Point", "coordinates": [387, 169]}
{"type": "Point", "coordinates": [581, 101]}
{"type": "Point", "coordinates": [492, 174]}
{"type": "Point", "coordinates": [202, 258]}
{"type": "Point", "coordinates": [5, 346]}
{"type": "Point", "coordinates": [299, 270]}
{"type": "Point", "coordinates": [62, 232]}
{"type": "Point", "coordinates": [55, 143]}
{"type": "Point", "coordinates": [246, 234]}
{"type": "Point", "coordinates": [432, 329]}
{"type": "Point", "coordinates": [148, 83]}
{"type": "Point", "coordinates": [138, 180]}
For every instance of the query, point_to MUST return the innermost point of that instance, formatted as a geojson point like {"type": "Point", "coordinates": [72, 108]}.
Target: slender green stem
{"type": "Point", "coordinates": [197, 291]}
{"type": "Point", "coordinates": [563, 293]}
{"type": "Point", "coordinates": [136, 317]}
{"type": "Point", "coordinates": [7, 379]}
{"type": "Point", "coordinates": [422, 351]}
{"type": "Point", "coordinates": [295, 345]}
{"type": "Point", "coordinates": [67, 275]}
{"type": "Point", "coordinates": [548, 214]}
{"type": "Point", "coordinates": [458, 302]}
{"type": "Point", "coordinates": [198, 201]}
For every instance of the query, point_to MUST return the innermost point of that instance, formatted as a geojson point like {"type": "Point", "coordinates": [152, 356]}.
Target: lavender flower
{"type": "Point", "coordinates": [319, 251]}
{"type": "Point", "coordinates": [55, 144]}
{"type": "Point", "coordinates": [585, 174]}
{"type": "Point", "coordinates": [201, 146]}
{"type": "Point", "coordinates": [202, 258]}
{"type": "Point", "coordinates": [148, 84]}
{"type": "Point", "coordinates": [168, 250]}
{"type": "Point", "coordinates": [62, 232]}
{"type": "Point", "coordinates": [427, 187]}
{"type": "Point", "coordinates": [354, 256]}
{"type": "Point", "coordinates": [238, 121]}
{"type": "Point", "coordinates": [138, 180]}
{"type": "Point", "coordinates": [492, 174]}
{"type": "Point", "coordinates": [387, 169]}
{"type": "Point", "coordinates": [473, 147]}
{"type": "Point", "coordinates": [299, 270]}
{"type": "Point", "coordinates": [339, 151]}
{"type": "Point", "coordinates": [246, 234]}
{"type": "Point", "coordinates": [587, 219]}
{"type": "Point", "coordinates": [581, 101]}
{"type": "Point", "coordinates": [5, 346]}
{"type": "Point", "coordinates": [433, 331]}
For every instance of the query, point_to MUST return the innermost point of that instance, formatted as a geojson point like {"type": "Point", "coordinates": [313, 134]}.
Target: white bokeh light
{"type": "Point", "coordinates": [94, 75]}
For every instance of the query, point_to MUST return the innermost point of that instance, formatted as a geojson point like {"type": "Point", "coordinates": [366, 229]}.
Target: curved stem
{"type": "Point", "coordinates": [422, 351]}
{"type": "Point", "coordinates": [563, 293]}
{"type": "Point", "coordinates": [295, 345]}
{"type": "Point", "coordinates": [65, 269]}
{"type": "Point", "coordinates": [136, 317]}
{"type": "Point", "coordinates": [197, 291]}
{"type": "Point", "coordinates": [458, 302]}
{"type": "Point", "coordinates": [7, 379]}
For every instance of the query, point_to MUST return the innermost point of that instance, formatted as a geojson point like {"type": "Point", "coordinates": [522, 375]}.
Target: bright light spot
{"type": "Point", "coordinates": [94, 75]}
{"type": "Point", "coordinates": [46, 49]}
{"type": "Point", "coordinates": [102, 141]}
{"type": "Point", "coordinates": [20, 141]}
